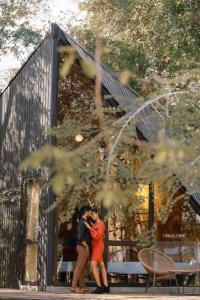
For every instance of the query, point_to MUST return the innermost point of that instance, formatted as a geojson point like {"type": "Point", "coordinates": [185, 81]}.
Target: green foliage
{"type": "Point", "coordinates": [15, 29]}
{"type": "Point", "coordinates": [64, 167]}
{"type": "Point", "coordinates": [145, 36]}
{"type": "Point", "coordinates": [108, 176]}
{"type": "Point", "coordinates": [147, 239]}
{"type": "Point", "coordinates": [88, 68]}
{"type": "Point", "coordinates": [104, 165]}
{"type": "Point", "coordinates": [111, 197]}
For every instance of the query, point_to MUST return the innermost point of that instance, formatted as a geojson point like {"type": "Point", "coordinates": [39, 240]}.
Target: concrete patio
{"type": "Point", "coordinates": [115, 295]}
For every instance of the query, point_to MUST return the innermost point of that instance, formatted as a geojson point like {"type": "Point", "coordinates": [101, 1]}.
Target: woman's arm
{"type": "Point", "coordinates": [97, 233]}
{"type": "Point", "coordinates": [87, 225]}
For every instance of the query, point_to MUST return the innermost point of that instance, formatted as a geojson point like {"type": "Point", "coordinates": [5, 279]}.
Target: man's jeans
{"type": "Point", "coordinates": [79, 272]}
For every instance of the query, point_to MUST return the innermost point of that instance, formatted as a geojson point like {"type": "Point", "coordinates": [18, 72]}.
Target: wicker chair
{"type": "Point", "coordinates": [157, 265]}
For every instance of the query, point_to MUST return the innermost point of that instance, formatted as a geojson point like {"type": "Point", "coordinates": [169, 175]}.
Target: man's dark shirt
{"type": "Point", "coordinates": [83, 233]}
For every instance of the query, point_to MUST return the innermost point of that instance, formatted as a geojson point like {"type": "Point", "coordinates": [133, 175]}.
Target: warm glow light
{"type": "Point", "coordinates": [143, 191]}
{"type": "Point", "coordinates": [78, 138]}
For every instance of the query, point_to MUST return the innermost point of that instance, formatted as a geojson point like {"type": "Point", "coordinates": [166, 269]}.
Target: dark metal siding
{"type": "Point", "coordinates": [11, 259]}
{"type": "Point", "coordinates": [25, 112]}
{"type": "Point", "coordinates": [121, 93]}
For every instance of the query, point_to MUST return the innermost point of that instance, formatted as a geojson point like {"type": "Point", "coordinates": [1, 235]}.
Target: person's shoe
{"type": "Point", "coordinates": [77, 290]}
{"type": "Point", "coordinates": [98, 290]}
{"type": "Point", "coordinates": [106, 289]}
{"type": "Point", "coordinates": [84, 289]}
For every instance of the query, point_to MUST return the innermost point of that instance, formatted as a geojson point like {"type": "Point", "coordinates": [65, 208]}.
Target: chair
{"type": "Point", "coordinates": [158, 266]}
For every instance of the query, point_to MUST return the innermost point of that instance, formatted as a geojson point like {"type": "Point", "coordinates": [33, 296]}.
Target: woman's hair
{"type": "Point", "coordinates": [95, 210]}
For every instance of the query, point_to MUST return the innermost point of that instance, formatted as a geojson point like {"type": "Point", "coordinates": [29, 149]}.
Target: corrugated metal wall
{"type": "Point", "coordinates": [11, 253]}
{"type": "Point", "coordinates": [25, 112]}
{"type": "Point", "coordinates": [124, 95]}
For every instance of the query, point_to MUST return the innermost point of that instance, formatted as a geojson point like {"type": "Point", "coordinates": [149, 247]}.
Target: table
{"type": "Point", "coordinates": [185, 272]}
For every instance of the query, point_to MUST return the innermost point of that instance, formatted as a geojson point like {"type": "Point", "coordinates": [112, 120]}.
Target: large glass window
{"type": "Point", "coordinates": [123, 265]}
{"type": "Point", "coordinates": [179, 236]}
{"type": "Point", "coordinates": [182, 224]}
{"type": "Point", "coordinates": [129, 227]}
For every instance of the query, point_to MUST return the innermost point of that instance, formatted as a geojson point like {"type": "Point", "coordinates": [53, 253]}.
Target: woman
{"type": "Point", "coordinates": [97, 232]}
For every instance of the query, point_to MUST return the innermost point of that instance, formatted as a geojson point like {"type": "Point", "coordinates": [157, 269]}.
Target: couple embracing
{"type": "Point", "coordinates": [90, 231]}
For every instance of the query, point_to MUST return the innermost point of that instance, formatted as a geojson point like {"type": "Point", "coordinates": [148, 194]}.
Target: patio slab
{"type": "Point", "coordinates": [32, 295]}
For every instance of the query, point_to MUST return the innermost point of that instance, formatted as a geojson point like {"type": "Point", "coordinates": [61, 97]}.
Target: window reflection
{"type": "Point", "coordinates": [130, 226]}
{"type": "Point", "coordinates": [123, 265]}
{"type": "Point", "coordinates": [183, 223]}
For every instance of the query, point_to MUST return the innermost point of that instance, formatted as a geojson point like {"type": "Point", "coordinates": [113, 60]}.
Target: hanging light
{"type": "Point", "coordinates": [78, 138]}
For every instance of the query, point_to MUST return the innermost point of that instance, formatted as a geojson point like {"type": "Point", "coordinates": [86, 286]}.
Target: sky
{"type": "Point", "coordinates": [71, 5]}
{"type": "Point", "coordinates": [65, 8]}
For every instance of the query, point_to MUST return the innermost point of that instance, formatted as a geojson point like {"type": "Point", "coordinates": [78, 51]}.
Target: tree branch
{"type": "Point", "coordinates": [133, 115]}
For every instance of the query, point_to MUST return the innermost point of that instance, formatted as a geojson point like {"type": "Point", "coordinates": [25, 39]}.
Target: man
{"type": "Point", "coordinates": [83, 250]}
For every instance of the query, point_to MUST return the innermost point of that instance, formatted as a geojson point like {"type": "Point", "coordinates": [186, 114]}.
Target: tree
{"type": "Point", "coordinates": [6, 76]}
{"type": "Point", "coordinates": [16, 31]}
{"type": "Point", "coordinates": [156, 36]}
{"type": "Point", "coordinates": [102, 159]}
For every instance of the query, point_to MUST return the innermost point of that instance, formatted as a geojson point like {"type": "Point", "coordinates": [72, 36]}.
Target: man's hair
{"type": "Point", "coordinates": [83, 209]}
{"type": "Point", "coordinates": [95, 210]}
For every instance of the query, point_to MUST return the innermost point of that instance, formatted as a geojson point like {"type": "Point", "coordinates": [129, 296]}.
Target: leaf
{"type": "Point", "coordinates": [109, 196]}
{"type": "Point", "coordinates": [58, 183]}
{"type": "Point", "coordinates": [36, 159]}
{"type": "Point", "coordinates": [158, 78]}
{"type": "Point", "coordinates": [88, 68]}
{"type": "Point", "coordinates": [160, 157]}
{"type": "Point", "coordinates": [67, 49]}
{"type": "Point", "coordinates": [66, 67]}
{"type": "Point", "coordinates": [126, 76]}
